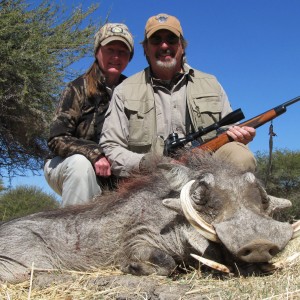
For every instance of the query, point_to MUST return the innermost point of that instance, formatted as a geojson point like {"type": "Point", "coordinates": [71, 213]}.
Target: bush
{"type": "Point", "coordinates": [282, 178]}
{"type": "Point", "coordinates": [24, 200]}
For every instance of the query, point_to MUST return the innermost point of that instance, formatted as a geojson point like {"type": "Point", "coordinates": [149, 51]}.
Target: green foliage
{"type": "Point", "coordinates": [25, 200]}
{"type": "Point", "coordinates": [282, 179]}
{"type": "Point", "coordinates": [1, 185]}
{"type": "Point", "coordinates": [37, 45]}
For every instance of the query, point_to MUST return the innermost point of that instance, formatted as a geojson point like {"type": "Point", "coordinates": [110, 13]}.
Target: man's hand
{"type": "Point", "coordinates": [102, 167]}
{"type": "Point", "coordinates": [243, 134]}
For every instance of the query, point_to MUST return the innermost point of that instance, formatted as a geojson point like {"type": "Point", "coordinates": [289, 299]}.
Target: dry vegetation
{"type": "Point", "coordinates": [112, 284]}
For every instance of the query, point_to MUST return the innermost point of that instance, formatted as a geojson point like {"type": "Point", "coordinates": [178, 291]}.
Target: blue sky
{"type": "Point", "coordinates": [251, 46]}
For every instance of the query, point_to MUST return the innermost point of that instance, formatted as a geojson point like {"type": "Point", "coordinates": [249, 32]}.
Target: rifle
{"type": "Point", "coordinates": [172, 143]}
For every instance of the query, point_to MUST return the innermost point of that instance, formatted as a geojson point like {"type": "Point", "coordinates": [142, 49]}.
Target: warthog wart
{"type": "Point", "coordinates": [152, 224]}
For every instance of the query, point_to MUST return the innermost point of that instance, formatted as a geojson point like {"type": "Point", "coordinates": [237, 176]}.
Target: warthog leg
{"type": "Point", "coordinates": [149, 260]}
{"type": "Point", "coordinates": [12, 271]}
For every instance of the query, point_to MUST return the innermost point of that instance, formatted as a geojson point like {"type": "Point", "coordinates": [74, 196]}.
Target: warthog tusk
{"type": "Point", "coordinates": [296, 228]}
{"type": "Point", "coordinates": [193, 217]}
{"type": "Point", "coordinates": [269, 267]}
{"type": "Point", "coordinates": [212, 264]}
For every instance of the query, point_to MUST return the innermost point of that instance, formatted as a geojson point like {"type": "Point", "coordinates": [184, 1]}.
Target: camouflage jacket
{"type": "Point", "coordinates": [78, 120]}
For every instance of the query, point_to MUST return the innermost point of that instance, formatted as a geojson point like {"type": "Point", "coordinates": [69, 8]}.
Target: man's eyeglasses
{"type": "Point", "coordinates": [171, 39]}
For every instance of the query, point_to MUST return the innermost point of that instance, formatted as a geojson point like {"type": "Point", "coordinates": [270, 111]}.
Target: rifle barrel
{"type": "Point", "coordinates": [292, 101]}
{"type": "Point", "coordinates": [222, 139]}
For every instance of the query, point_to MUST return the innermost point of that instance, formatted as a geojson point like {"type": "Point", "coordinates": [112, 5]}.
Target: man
{"type": "Point", "coordinates": [78, 161]}
{"type": "Point", "coordinates": [167, 97]}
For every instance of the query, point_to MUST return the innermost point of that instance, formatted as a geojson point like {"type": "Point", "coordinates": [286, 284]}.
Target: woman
{"type": "Point", "coordinates": [78, 167]}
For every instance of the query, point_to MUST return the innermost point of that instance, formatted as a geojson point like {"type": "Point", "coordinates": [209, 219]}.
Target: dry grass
{"type": "Point", "coordinates": [112, 284]}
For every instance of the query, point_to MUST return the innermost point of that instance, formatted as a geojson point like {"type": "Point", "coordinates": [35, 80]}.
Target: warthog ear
{"type": "Point", "coordinates": [177, 175]}
{"type": "Point", "coordinates": [277, 204]}
{"type": "Point", "coordinates": [173, 204]}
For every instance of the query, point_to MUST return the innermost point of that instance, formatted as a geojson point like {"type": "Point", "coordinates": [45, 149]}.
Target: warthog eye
{"type": "Point", "coordinates": [265, 200]}
{"type": "Point", "coordinates": [199, 196]}
{"type": "Point", "coordinates": [201, 191]}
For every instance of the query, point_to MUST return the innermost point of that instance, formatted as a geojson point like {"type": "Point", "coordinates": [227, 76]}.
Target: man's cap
{"type": "Point", "coordinates": [113, 32]}
{"type": "Point", "coordinates": [163, 21]}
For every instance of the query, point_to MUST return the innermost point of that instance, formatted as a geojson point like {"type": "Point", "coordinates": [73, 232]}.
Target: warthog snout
{"type": "Point", "coordinates": [258, 251]}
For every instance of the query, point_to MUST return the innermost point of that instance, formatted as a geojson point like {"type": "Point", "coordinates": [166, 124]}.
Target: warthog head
{"type": "Point", "coordinates": [233, 211]}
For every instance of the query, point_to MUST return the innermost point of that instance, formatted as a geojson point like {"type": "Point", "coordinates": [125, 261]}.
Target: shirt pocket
{"type": "Point", "coordinates": [141, 123]}
{"type": "Point", "coordinates": [206, 110]}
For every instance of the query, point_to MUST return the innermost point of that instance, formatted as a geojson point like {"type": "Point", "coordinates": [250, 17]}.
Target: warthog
{"type": "Point", "coordinates": [152, 224]}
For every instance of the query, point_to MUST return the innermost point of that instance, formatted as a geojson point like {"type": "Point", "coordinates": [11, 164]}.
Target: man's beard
{"type": "Point", "coordinates": [171, 64]}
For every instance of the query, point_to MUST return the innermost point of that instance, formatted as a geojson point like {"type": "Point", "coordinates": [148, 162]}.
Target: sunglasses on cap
{"type": "Point", "coordinates": [171, 39]}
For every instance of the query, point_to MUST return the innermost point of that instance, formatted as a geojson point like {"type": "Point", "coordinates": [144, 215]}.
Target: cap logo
{"type": "Point", "coordinates": [162, 19]}
{"type": "Point", "coordinates": [116, 29]}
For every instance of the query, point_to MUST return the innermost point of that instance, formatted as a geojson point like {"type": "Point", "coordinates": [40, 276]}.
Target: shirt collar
{"type": "Point", "coordinates": [188, 70]}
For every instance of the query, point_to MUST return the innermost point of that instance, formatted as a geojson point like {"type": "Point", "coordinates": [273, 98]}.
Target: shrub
{"type": "Point", "coordinates": [24, 200]}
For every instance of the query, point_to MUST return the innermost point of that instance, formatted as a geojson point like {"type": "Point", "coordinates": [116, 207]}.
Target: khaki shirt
{"type": "Point", "coordinates": [170, 109]}
{"type": "Point", "coordinates": [170, 104]}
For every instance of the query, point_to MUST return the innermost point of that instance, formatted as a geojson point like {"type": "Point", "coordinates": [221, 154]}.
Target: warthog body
{"type": "Point", "coordinates": [142, 228]}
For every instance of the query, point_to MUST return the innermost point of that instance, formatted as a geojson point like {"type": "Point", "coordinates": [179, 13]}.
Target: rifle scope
{"type": "Point", "coordinates": [173, 142]}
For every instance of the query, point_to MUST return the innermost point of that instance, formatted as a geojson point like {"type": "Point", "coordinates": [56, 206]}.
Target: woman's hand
{"type": "Point", "coordinates": [102, 167]}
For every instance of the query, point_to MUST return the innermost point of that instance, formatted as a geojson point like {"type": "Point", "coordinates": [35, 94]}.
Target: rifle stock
{"type": "Point", "coordinates": [223, 138]}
